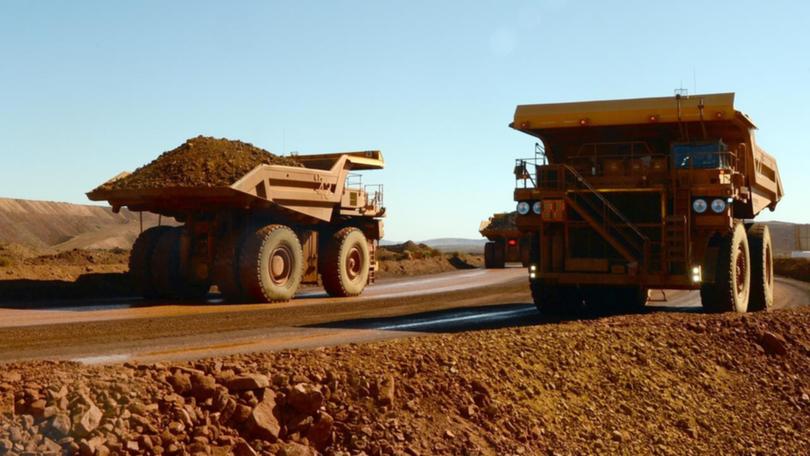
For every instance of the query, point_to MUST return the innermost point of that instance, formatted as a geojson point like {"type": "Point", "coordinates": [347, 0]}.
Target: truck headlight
{"type": "Point", "coordinates": [523, 208]}
{"type": "Point", "coordinates": [697, 274]}
{"type": "Point", "coordinates": [699, 205]}
{"type": "Point", "coordinates": [537, 207]}
{"type": "Point", "coordinates": [718, 205]}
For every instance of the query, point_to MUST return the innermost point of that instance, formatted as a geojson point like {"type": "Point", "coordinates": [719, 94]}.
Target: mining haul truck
{"type": "Point", "coordinates": [627, 195]}
{"type": "Point", "coordinates": [257, 240]}
{"type": "Point", "coordinates": [506, 243]}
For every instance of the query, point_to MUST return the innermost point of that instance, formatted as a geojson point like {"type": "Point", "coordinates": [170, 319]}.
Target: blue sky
{"type": "Point", "coordinates": [88, 89]}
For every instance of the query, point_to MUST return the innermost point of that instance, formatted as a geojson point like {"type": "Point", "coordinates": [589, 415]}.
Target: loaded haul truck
{"type": "Point", "coordinates": [506, 243]}
{"type": "Point", "coordinates": [261, 235]}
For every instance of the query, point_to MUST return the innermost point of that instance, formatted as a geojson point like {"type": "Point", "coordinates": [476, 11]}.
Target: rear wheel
{"type": "Point", "coordinates": [759, 244]}
{"type": "Point", "coordinates": [489, 255]}
{"type": "Point", "coordinates": [731, 288]}
{"type": "Point", "coordinates": [168, 277]}
{"type": "Point", "coordinates": [345, 263]}
{"type": "Point", "coordinates": [271, 263]}
{"type": "Point", "coordinates": [140, 261]}
{"type": "Point", "coordinates": [497, 255]}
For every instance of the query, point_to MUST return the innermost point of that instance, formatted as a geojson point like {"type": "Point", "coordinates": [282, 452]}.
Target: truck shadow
{"type": "Point", "coordinates": [83, 293]}
{"type": "Point", "coordinates": [449, 320]}
{"type": "Point", "coordinates": [478, 318]}
{"type": "Point", "coordinates": [21, 293]}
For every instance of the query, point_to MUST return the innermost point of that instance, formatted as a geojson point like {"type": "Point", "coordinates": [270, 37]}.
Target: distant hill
{"type": "Point", "coordinates": [51, 226]}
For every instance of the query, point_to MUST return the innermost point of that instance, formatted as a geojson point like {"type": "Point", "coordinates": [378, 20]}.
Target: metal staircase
{"type": "Point", "coordinates": [606, 220]}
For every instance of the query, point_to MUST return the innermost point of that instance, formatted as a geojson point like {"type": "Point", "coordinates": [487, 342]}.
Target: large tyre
{"type": "Point", "coordinates": [345, 263]}
{"type": "Point", "coordinates": [759, 244]}
{"type": "Point", "coordinates": [168, 278]}
{"type": "Point", "coordinates": [271, 264]}
{"type": "Point", "coordinates": [731, 288]}
{"type": "Point", "coordinates": [499, 255]}
{"type": "Point", "coordinates": [489, 255]}
{"type": "Point", "coordinates": [226, 268]}
{"type": "Point", "coordinates": [140, 261]}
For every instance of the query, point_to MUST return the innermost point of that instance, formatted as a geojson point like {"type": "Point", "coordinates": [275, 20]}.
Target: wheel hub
{"type": "Point", "coordinates": [280, 265]}
{"type": "Point", "coordinates": [354, 263]}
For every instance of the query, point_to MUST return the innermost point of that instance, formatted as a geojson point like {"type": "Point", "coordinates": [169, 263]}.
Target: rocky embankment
{"type": "Point", "coordinates": [663, 383]}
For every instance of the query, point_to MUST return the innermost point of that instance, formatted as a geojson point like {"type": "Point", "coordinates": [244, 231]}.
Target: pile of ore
{"type": "Point", "coordinates": [199, 162]}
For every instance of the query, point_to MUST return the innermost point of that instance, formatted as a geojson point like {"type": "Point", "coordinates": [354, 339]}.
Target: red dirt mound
{"type": "Point", "coordinates": [200, 162]}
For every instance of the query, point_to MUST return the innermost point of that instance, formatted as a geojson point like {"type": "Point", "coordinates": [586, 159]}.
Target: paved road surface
{"type": "Point", "coordinates": [120, 330]}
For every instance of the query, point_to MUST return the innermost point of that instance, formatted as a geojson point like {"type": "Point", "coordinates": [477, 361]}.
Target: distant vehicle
{"type": "Point", "coordinates": [627, 195]}
{"type": "Point", "coordinates": [506, 243]}
{"type": "Point", "coordinates": [275, 228]}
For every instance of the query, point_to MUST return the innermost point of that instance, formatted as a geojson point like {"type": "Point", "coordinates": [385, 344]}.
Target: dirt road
{"type": "Point", "coordinates": [120, 330]}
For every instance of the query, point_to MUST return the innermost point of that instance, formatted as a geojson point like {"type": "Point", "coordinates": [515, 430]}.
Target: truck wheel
{"type": "Point", "coordinates": [140, 261]}
{"type": "Point", "coordinates": [168, 279]}
{"type": "Point", "coordinates": [499, 255]}
{"type": "Point", "coordinates": [731, 289]}
{"type": "Point", "coordinates": [489, 255]}
{"type": "Point", "coordinates": [759, 243]}
{"type": "Point", "coordinates": [271, 264]}
{"type": "Point", "coordinates": [345, 263]}
{"type": "Point", "coordinates": [226, 268]}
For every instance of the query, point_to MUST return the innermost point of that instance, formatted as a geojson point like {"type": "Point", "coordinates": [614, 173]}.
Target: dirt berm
{"type": "Point", "coordinates": [661, 383]}
{"type": "Point", "coordinates": [200, 162]}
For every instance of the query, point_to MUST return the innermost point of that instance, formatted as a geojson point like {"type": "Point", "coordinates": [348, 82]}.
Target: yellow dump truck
{"type": "Point", "coordinates": [506, 243]}
{"type": "Point", "coordinates": [628, 195]}
{"type": "Point", "coordinates": [262, 236]}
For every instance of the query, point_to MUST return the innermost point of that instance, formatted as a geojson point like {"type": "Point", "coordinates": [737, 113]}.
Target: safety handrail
{"type": "Point", "coordinates": [605, 202]}
{"type": "Point", "coordinates": [377, 190]}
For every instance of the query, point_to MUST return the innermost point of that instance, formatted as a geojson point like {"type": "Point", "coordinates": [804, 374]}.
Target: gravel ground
{"type": "Point", "coordinates": [199, 162]}
{"type": "Point", "coordinates": [663, 383]}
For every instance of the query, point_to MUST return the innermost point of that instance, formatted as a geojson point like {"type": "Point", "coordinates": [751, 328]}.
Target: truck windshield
{"type": "Point", "coordinates": [702, 155]}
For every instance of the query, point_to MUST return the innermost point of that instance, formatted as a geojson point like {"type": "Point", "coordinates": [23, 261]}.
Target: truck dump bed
{"type": "Point", "coordinates": [309, 192]}
{"type": "Point", "coordinates": [500, 226]}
